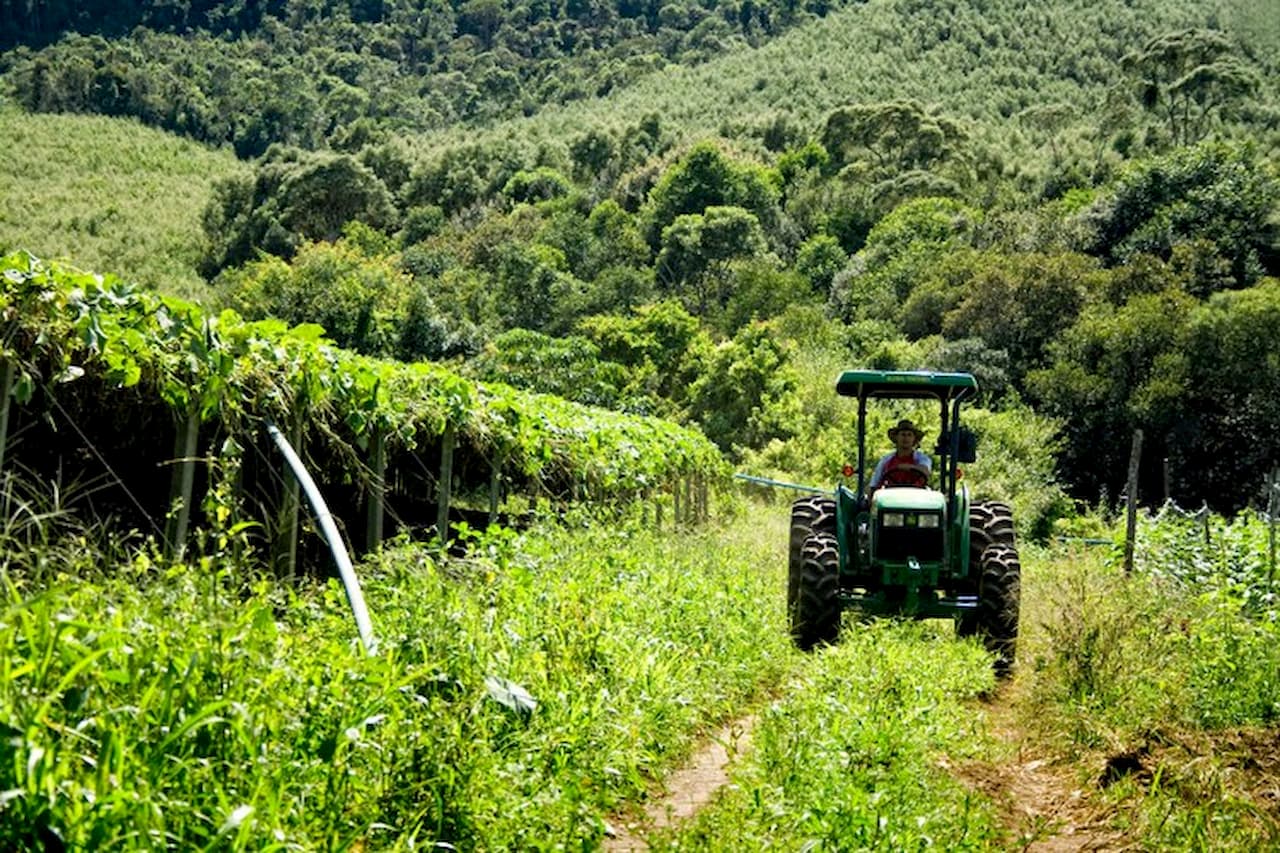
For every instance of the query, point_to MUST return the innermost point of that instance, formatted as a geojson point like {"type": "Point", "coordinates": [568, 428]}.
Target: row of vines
{"type": "Point", "coordinates": [1201, 550]}
{"type": "Point", "coordinates": [159, 405]}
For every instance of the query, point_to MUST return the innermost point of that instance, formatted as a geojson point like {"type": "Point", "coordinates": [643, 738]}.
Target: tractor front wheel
{"type": "Point", "coordinates": [815, 620]}
{"type": "Point", "coordinates": [809, 515]}
{"type": "Point", "coordinates": [990, 523]}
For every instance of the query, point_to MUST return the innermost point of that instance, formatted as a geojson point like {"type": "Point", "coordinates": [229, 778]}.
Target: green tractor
{"type": "Point", "coordinates": [907, 551]}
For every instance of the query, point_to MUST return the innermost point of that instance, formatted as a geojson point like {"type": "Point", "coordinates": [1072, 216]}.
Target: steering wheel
{"type": "Point", "coordinates": [905, 477]}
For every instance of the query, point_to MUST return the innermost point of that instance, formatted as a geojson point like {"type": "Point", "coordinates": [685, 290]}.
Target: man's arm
{"type": "Point", "coordinates": [878, 474]}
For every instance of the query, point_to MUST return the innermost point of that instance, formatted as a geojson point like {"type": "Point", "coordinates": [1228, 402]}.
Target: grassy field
{"type": "Point", "coordinates": [519, 698]}
{"type": "Point", "coordinates": [526, 694]}
{"type": "Point", "coordinates": [848, 757]}
{"type": "Point", "coordinates": [1171, 675]}
{"type": "Point", "coordinates": [107, 195]}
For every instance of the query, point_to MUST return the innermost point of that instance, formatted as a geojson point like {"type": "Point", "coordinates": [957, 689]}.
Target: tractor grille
{"type": "Point", "coordinates": [899, 543]}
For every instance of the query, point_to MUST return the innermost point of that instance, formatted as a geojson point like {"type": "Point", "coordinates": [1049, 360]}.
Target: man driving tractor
{"type": "Point", "coordinates": [907, 465]}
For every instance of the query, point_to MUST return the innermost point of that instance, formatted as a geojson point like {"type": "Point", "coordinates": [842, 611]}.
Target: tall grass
{"type": "Point", "coordinates": [519, 695]}
{"type": "Point", "coordinates": [108, 195]}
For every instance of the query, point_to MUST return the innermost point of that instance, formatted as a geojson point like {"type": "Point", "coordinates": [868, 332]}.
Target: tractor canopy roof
{"type": "Point", "coordinates": [919, 384]}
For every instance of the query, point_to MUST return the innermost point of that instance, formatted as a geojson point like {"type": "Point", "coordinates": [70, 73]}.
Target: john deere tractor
{"type": "Point", "coordinates": [907, 551]}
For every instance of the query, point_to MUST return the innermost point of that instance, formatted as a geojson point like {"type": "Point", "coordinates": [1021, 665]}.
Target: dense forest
{"type": "Point", "coordinates": [701, 210]}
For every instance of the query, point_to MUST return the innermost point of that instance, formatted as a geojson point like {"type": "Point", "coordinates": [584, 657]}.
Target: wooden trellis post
{"type": "Point", "coordinates": [446, 482]}
{"type": "Point", "coordinates": [1131, 496]}
{"type": "Point", "coordinates": [495, 487]}
{"type": "Point", "coordinates": [287, 535]}
{"type": "Point", "coordinates": [1273, 509]}
{"type": "Point", "coordinates": [186, 442]}
{"type": "Point", "coordinates": [676, 511]}
{"type": "Point", "coordinates": [6, 391]}
{"type": "Point", "coordinates": [375, 508]}
{"type": "Point", "coordinates": [704, 502]}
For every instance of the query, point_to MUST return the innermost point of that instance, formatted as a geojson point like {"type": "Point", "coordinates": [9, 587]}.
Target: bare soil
{"type": "Point", "coordinates": [1240, 763]}
{"type": "Point", "coordinates": [687, 790]}
{"type": "Point", "coordinates": [1048, 802]}
{"type": "Point", "coordinates": [1051, 803]}
{"type": "Point", "coordinates": [1042, 802]}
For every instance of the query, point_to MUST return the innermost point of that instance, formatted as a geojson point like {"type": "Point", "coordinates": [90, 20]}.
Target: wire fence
{"type": "Point", "coordinates": [1200, 547]}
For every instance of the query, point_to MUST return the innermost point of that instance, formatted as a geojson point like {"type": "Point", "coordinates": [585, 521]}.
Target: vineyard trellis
{"type": "Point", "coordinates": [1202, 549]}
{"type": "Point", "coordinates": [156, 381]}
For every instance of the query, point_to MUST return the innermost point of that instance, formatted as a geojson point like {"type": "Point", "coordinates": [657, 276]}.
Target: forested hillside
{"type": "Point", "coordinates": [324, 71]}
{"type": "Point", "coordinates": [702, 211]}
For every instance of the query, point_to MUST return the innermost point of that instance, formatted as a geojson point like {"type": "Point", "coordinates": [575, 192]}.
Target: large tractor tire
{"type": "Point", "coordinates": [999, 600]}
{"type": "Point", "coordinates": [809, 515]}
{"type": "Point", "coordinates": [990, 523]}
{"type": "Point", "coordinates": [816, 617]}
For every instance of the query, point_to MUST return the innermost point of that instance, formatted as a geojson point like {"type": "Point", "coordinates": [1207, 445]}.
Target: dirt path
{"type": "Point", "coordinates": [1041, 800]}
{"type": "Point", "coordinates": [687, 790]}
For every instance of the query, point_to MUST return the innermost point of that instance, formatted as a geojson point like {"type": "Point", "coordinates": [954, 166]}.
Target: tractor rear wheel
{"type": "Point", "coordinates": [999, 598]}
{"type": "Point", "coordinates": [816, 617]}
{"type": "Point", "coordinates": [809, 515]}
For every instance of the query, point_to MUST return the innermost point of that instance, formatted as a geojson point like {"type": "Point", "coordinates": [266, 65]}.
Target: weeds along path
{"type": "Point", "coordinates": [687, 790]}
{"type": "Point", "coordinates": [844, 756]}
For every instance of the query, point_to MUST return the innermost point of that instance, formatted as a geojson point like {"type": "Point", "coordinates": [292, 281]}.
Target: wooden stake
{"type": "Point", "coordinates": [495, 488]}
{"type": "Point", "coordinates": [1273, 509]}
{"type": "Point", "coordinates": [1131, 496]}
{"type": "Point", "coordinates": [186, 442]}
{"type": "Point", "coordinates": [374, 509]}
{"type": "Point", "coordinates": [6, 391]}
{"type": "Point", "coordinates": [446, 482]}
{"type": "Point", "coordinates": [287, 536]}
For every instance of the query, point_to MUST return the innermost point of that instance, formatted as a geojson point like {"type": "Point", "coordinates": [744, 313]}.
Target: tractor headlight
{"type": "Point", "coordinates": [930, 520]}
{"type": "Point", "coordinates": [892, 519]}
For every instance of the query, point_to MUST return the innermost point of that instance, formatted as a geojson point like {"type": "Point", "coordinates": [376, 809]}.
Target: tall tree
{"type": "Point", "coordinates": [697, 249]}
{"type": "Point", "coordinates": [1211, 199]}
{"type": "Point", "coordinates": [891, 136]}
{"type": "Point", "coordinates": [1188, 78]}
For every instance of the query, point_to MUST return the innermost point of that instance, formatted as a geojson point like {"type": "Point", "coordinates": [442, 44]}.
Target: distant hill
{"type": "Point", "coordinates": [997, 65]}
{"type": "Point", "coordinates": [1028, 84]}
{"type": "Point", "coordinates": [333, 74]}
{"type": "Point", "coordinates": [107, 195]}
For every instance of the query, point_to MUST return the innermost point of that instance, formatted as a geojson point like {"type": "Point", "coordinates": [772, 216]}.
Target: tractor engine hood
{"type": "Point", "coordinates": [907, 500]}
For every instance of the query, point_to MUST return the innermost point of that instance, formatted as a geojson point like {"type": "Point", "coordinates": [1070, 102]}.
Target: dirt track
{"type": "Point", "coordinates": [1041, 804]}
{"type": "Point", "coordinates": [1040, 800]}
{"type": "Point", "coordinates": [688, 789]}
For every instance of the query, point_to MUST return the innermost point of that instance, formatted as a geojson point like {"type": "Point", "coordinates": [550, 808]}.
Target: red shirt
{"type": "Point", "coordinates": [893, 470]}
